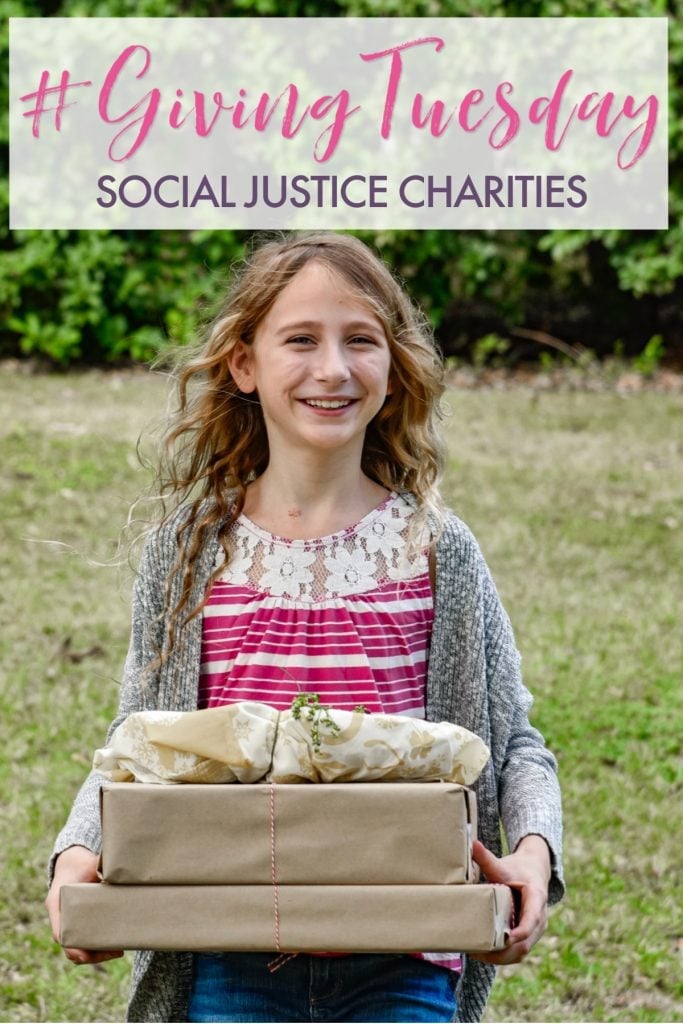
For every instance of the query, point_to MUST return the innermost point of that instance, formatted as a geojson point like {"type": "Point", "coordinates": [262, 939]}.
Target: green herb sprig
{"type": "Point", "coordinates": [308, 706]}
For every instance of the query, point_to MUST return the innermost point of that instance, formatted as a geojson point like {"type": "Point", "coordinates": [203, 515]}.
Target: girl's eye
{"type": "Point", "coordinates": [300, 339]}
{"type": "Point", "coordinates": [362, 339]}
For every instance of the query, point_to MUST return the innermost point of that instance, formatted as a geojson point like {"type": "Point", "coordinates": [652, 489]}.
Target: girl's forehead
{"type": "Point", "coordinates": [321, 285]}
{"type": "Point", "coordinates": [316, 273]}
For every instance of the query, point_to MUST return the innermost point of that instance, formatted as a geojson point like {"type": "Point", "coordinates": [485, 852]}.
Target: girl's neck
{"type": "Point", "coordinates": [286, 505]}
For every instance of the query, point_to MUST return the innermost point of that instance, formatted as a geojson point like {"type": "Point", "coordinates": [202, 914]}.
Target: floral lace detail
{"type": "Point", "coordinates": [356, 560]}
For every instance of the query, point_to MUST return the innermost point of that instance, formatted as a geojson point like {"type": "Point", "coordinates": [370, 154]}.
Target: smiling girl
{"type": "Point", "coordinates": [306, 547]}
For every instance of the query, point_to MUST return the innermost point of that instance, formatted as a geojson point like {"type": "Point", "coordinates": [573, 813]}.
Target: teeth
{"type": "Point", "coordinates": [319, 403]}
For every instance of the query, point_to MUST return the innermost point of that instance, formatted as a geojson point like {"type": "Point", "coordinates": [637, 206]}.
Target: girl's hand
{"type": "Point", "coordinates": [528, 870]}
{"type": "Point", "coordinates": [75, 864]}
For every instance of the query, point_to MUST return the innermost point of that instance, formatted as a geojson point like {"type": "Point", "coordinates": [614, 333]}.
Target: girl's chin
{"type": "Point", "coordinates": [329, 439]}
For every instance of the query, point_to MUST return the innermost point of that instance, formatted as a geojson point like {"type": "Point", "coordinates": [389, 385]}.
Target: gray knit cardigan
{"type": "Point", "coordinates": [473, 680]}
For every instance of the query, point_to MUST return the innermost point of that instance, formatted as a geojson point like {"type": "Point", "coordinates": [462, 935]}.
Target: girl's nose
{"type": "Point", "coordinates": [331, 364]}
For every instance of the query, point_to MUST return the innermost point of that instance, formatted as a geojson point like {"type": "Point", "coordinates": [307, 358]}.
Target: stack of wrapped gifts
{"type": "Point", "coordinates": [375, 859]}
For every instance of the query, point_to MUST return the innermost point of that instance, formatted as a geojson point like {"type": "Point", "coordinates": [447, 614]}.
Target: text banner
{"type": "Point", "coordinates": [350, 123]}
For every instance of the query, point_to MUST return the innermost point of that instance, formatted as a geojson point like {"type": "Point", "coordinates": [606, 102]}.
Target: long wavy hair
{"type": "Point", "coordinates": [216, 443]}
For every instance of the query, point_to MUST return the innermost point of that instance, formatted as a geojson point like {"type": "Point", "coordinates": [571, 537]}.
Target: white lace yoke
{"type": "Point", "coordinates": [355, 560]}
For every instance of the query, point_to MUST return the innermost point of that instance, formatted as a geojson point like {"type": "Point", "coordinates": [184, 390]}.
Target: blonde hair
{"type": "Point", "coordinates": [217, 444]}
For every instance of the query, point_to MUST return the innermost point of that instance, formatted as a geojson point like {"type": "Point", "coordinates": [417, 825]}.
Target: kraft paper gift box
{"type": "Point", "coordinates": [344, 918]}
{"type": "Point", "coordinates": [337, 834]}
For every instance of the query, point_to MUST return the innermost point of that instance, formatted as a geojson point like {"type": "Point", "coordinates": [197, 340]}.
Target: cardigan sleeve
{"type": "Point", "coordinates": [528, 789]}
{"type": "Point", "coordinates": [475, 680]}
{"type": "Point", "coordinates": [136, 693]}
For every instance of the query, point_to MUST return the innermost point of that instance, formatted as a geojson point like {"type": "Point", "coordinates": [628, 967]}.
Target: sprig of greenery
{"type": "Point", "coordinates": [308, 706]}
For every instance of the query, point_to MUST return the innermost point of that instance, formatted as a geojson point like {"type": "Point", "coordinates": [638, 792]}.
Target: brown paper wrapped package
{"type": "Point", "coordinates": [347, 833]}
{"type": "Point", "coordinates": [348, 918]}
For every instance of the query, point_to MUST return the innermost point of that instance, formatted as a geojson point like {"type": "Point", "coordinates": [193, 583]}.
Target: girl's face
{"type": "Point", "coordinates": [320, 364]}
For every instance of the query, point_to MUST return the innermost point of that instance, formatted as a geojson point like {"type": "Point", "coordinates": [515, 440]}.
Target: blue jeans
{"type": "Point", "coordinates": [361, 987]}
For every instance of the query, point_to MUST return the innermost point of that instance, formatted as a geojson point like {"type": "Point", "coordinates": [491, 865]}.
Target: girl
{"type": "Point", "coordinates": [307, 529]}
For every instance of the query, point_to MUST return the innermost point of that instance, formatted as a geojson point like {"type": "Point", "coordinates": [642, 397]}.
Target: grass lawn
{"type": "Point", "coordinates": [577, 501]}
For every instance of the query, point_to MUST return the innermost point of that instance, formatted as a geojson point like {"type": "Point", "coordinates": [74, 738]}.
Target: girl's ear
{"type": "Point", "coordinates": [241, 364]}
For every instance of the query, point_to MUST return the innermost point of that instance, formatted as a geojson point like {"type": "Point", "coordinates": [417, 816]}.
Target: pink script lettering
{"type": "Point", "coordinates": [203, 117]}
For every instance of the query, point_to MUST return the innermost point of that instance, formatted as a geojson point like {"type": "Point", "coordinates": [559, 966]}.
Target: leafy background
{"type": "Point", "coordinates": [108, 297]}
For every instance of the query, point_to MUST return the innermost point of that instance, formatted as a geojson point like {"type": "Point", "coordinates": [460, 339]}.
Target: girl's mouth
{"type": "Point", "coordinates": [328, 403]}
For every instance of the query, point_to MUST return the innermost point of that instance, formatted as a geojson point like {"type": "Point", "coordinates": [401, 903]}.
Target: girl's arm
{"type": "Point", "coordinates": [136, 694]}
{"type": "Point", "coordinates": [475, 680]}
{"type": "Point", "coordinates": [83, 824]}
{"type": "Point", "coordinates": [528, 790]}
{"type": "Point", "coordinates": [76, 851]}
{"type": "Point", "coordinates": [529, 798]}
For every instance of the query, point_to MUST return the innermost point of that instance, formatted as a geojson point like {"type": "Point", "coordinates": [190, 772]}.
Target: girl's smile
{"type": "Point", "coordinates": [329, 406]}
{"type": "Point", "coordinates": [320, 365]}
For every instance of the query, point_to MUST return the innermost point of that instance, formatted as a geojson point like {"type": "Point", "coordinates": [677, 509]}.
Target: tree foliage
{"type": "Point", "coordinates": [109, 296]}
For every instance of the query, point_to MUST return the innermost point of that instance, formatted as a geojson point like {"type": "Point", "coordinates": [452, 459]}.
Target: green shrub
{"type": "Point", "coordinates": [69, 296]}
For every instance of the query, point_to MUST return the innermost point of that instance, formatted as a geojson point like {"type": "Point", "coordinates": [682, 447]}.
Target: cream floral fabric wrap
{"type": "Point", "coordinates": [226, 744]}
{"type": "Point", "coordinates": [251, 742]}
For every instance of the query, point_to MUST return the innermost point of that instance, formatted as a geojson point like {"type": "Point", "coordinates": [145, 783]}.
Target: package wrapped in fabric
{"type": "Point", "coordinates": [227, 744]}
{"type": "Point", "coordinates": [247, 742]}
{"type": "Point", "coordinates": [292, 918]}
{"type": "Point", "coordinates": [347, 834]}
{"type": "Point", "coordinates": [369, 748]}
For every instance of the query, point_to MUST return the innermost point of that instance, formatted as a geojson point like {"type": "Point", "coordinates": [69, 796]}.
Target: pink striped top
{"type": "Point", "coordinates": [347, 616]}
